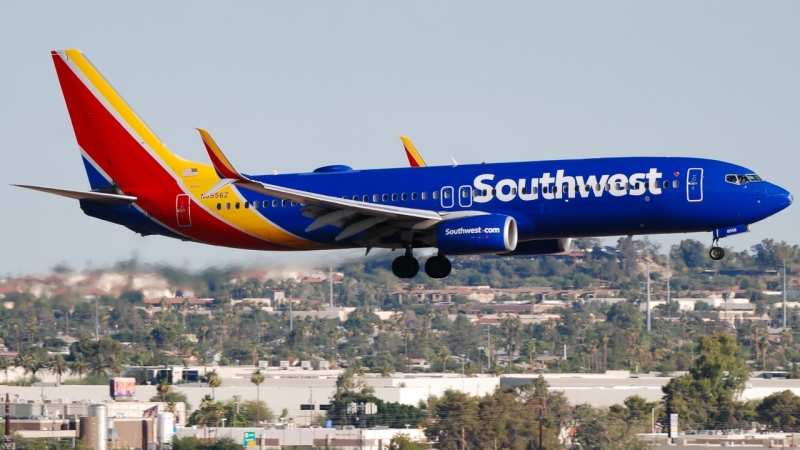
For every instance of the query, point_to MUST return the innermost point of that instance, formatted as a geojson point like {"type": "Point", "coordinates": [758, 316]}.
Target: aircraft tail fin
{"type": "Point", "coordinates": [414, 158]}
{"type": "Point", "coordinates": [118, 149]}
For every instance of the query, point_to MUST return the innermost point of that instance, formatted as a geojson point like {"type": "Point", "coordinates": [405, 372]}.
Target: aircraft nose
{"type": "Point", "coordinates": [778, 198]}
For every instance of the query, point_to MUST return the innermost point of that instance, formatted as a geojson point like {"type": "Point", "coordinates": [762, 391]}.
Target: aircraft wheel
{"type": "Point", "coordinates": [438, 266]}
{"type": "Point", "coordinates": [716, 253]}
{"type": "Point", "coordinates": [405, 267]}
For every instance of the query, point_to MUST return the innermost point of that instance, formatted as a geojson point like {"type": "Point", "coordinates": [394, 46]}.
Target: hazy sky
{"type": "Point", "coordinates": [292, 86]}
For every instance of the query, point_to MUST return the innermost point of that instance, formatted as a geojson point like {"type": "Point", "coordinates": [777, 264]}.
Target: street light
{"type": "Point", "coordinates": [653, 420]}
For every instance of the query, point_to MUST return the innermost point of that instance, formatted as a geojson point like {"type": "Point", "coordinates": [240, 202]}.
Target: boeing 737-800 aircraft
{"type": "Point", "coordinates": [525, 208]}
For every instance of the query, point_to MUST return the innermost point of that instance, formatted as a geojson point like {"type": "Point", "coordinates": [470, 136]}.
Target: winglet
{"type": "Point", "coordinates": [414, 158]}
{"type": "Point", "coordinates": [221, 163]}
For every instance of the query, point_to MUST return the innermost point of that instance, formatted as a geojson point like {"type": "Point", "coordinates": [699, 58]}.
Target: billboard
{"type": "Point", "coordinates": [122, 387]}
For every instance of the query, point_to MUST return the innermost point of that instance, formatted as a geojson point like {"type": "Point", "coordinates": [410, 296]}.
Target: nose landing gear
{"type": "Point", "coordinates": [716, 253]}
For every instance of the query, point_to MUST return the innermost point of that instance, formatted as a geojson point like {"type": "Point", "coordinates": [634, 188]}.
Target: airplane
{"type": "Point", "coordinates": [520, 208]}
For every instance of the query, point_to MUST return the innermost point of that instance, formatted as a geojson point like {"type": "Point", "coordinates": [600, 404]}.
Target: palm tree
{"type": "Point", "coordinates": [163, 388]}
{"type": "Point", "coordinates": [5, 366]}
{"type": "Point", "coordinates": [214, 381]}
{"type": "Point", "coordinates": [26, 363]}
{"type": "Point", "coordinates": [78, 366]}
{"type": "Point", "coordinates": [257, 379]}
{"type": "Point", "coordinates": [386, 370]}
{"type": "Point", "coordinates": [58, 366]}
{"type": "Point", "coordinates": [254, 354]}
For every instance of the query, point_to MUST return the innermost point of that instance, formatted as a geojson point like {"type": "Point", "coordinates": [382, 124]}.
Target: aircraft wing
{"type": "Point", "coordinates": [97, 197]}
{"type": "Point", "coordinates": [351, 215]}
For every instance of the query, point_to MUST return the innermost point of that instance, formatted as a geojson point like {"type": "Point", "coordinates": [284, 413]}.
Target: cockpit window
{"type": "Point", "coordinates": [742, 179]}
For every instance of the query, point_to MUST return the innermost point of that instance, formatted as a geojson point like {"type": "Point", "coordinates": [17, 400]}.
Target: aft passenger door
{"type": "Point", "coordinates": [182, 204]}
{"type": "Point", "coordinates": [694, 185]}
{"type": "Point", "coordinates": [447, 197]}
{"type": "Point", "coordinates": [465, 196]}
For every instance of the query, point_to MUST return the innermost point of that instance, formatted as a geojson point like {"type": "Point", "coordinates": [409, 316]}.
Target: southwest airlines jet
{"type": "Point", "coordinates": [524, 208]}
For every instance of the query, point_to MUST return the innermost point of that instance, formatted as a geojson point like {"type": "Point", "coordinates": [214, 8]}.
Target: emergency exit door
{"type": "Point", "coordinates": [182, 205]}
{"type": "Point", "coordinates": [694, 185]}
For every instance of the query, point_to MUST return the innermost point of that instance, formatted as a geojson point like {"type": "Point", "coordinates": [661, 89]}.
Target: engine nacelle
{"type": "Point", "coordinates": [540, 247]}
{"type": "Point", "coordinates": [475, 235]}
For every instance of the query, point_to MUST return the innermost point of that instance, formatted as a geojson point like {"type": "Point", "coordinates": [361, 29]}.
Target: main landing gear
{"type": "Point", "coordinates": [716, 253]}
{"type": "Point", "coordinates": [407, 266]}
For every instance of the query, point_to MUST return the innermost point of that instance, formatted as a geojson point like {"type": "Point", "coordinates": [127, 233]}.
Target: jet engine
{"type": "Point", "coordinates": [540, 247]}
{"type": "Point", "coordinates": [484, 234]}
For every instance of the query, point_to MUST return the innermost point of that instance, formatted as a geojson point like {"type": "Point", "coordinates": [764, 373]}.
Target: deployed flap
{"type": "Point", "coordinates": [96, 197]}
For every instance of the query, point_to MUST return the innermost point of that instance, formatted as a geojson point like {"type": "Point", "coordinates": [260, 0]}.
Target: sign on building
{"type": "Point", "coordinates": [249, 439]}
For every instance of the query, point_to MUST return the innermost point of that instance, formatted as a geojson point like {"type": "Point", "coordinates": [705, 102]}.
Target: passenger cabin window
{"type": "Point", "coordinates": [385, 197]}
{"type": "Point", "coordinates": [424, 195]}
{"type": "Point", "coordinates": [274, 203]}
{"type": "Point", "coordinates": [283, 202]}
{"type": "Point", "coordinates": [446, 194]}
{"type": "Point", "coordinates": [676, 183]}
{"type": "Point", "coordinates": [265, 204]}
{"type": "Point", "coordinates": [375, 198]}
{"type": "Point", "coordinates": [246, 205]}
{"type": "Point", "coordinates": [413, 196]}
{"type": "Point", "coordinates": [665, 184]}
{"type": "Point", "coordinates": [365, 198]}
{"type": "Point", "coordinates": [227, 206]}
{"type": "Point", "coordinates": [394, 197]}
{"type": "Point", "coordinates": [435, 195]}
{"type": "Point", "coordinates": [219, 206]}
{"type": "Point", "coordinates": [404, 196]}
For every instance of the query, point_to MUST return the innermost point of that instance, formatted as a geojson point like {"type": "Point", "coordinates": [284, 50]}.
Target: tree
{"type": "Point", "coordinates": [214, 381]}
{"type": "Point", "coordinates": [163, 388]}
{"type": "Point", "coordinates": [58, 366]}
{"type": "Point", "coordinates": [257, 378]}
{"type": "Point", "coordinates": [780, 411]}
{"type": "Point", "coordinates": [78, 366]}
{"type": "Point", "coordinates": [402, 441]}
{"type": "Point", "coordinates": [708, 394]}
{"type": "Point", "coordinates": [256, 410]}
{"type": "Point", "coordinates": [597, 429]}
{"type": "Point", "coordinates": [5, 366]}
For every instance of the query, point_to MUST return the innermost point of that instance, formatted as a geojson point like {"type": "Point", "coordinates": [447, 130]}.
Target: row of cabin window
{"type": "Point", "coordinates": [264, 204]}
{"type": "Point", "coordinates": [404, 197]}
{"type": "Point", "coordinates": [446, 194]}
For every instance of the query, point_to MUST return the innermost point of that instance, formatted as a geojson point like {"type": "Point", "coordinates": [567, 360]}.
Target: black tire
{"type": "Point", "coordinates": [405, 267]}
{"type": "Point", "coordinates": [716, 253]}
{"type": "Point", "coordinates": [438, 267]}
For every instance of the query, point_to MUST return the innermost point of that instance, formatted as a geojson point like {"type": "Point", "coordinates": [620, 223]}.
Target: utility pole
{"type": "Point", "coordinates": [784, 294]}
{"type": "Point", "coordinates": [669, 275]}
{"type": "Point", "coordinates": [330, 285]}
{"type": "Point", "coordinates": [647, 264]}
{"type": "Point", "coordinates": [96, 320]}
{"type": "Point", "coordinates": [9, 443]}
{"type": "Point", "coordinates": [488, 348]}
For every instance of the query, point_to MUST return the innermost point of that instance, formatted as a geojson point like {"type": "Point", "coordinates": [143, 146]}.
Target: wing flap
{"type": "Point", "coordinates": [96, 197]}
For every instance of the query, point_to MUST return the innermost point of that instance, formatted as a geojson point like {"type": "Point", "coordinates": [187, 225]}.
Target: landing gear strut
{"type": "Point", "coordinates": [716, 253]}
{"type": "Point", "coordinates": [438, 266]}
{"type": "Point", "coordinates": [405, 266]}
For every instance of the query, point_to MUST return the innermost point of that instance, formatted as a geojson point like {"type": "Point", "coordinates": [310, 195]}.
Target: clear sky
{"type": "Point", "coordinates": [291, 86]}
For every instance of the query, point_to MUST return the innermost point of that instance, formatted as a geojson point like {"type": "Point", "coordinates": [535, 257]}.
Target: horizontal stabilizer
{"type": "Point", "coordinates": [97, 197]}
